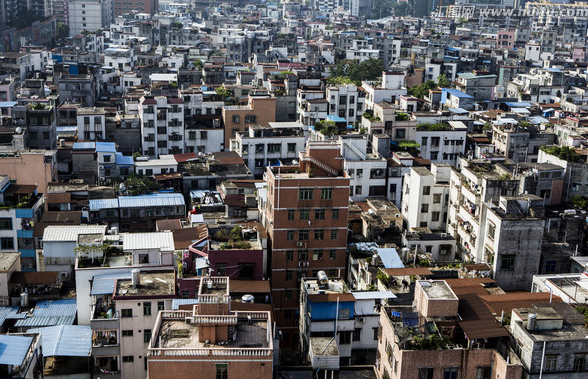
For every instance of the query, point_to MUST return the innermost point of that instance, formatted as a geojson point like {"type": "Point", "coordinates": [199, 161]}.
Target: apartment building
{"type": "Point", "coordinates": [306, 221]}
{"type": "Point", "coordinates": [91, 124]}
{"type": "Point", "coordinates": [346, 101]}
{"type": "Point", "coordinates": [260, 110]}
{"type": "Point", "coordinates": [212, 339]}
{"type": "Point", "coordinates": [128, 6]}
{"type": "Point", "coordinates": [34, 167]}
{"type": "Point", "coordinates": [162, 125]}
{"type": "Point", "coordinates": [261, 146]}
{"type": "Point", "coordinates": [22, 208]}
{"type": "Point", "coordinates": [328, 305]}
{"type": "Point", "coordinates": [426, 197]}
{"type": "Point", "coordinates": [444, 145]}
{"type": "Point", "coordinates": [89, 15]}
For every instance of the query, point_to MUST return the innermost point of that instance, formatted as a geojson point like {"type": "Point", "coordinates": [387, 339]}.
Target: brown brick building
{"type": "Point", "coordinates": [142, 6]}
{"type": "Point", "coordinates": [212, 341]}
{"type": "Point", "coordinates": [306, 219]}
{"type": "Point", "coordinates": [260, 110]}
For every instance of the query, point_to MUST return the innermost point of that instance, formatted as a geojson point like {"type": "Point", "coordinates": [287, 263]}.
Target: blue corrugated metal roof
{"type": "Point", "coordinates": [7, 104]}
{"type": "Point", "coordinates": [104, 284]}
{"type": "Point", "coordinates": [335, 118]}
{"type": "Point", "coordinates": [155, 199]}
{"type": "Point", "coordinates": [124, 160]}
{"type": "Point", "coordinates": [50, 313]}
{"type": "Point", "coordinates": [13, 349]}
{"type": "Point", "coordinates": [105, 147]}
{"type": "Point", "coordinates": [457, 93]}
{"type": "Point", "coordinates": [177, 302]}
{"type": "Point", "coordinates": [390, 258]}
{"type": "Point", "coordinates": [10, 313]}
{"type": "Point", "coordinates": [96, 205]}
{"type": "Point", "coordinates": [84, 146]}
{"type": "Point", "coordinates": [66, 340]}
{"type": "Point", "coordinates": [518, 104]}
{"type": "Point", "coordinates": [328, 310]}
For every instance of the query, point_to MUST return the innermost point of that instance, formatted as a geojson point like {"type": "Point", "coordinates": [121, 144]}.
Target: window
{"type": "Point", "coordinates": [344, 337]}
{"type": "Point", "coordinates": [334, 234]}
{"type": "Point", "coordinates": [126, 313]}
{"type": "Point", "coordinates": [235, 119]}
{"type": "Point", "coordinates": [146, 335]}
{"type": "Point", "coordinates": [303, 255]}
{"type": "Point", "coordinates": [424, 208]}
{"type": "Point", "coordinates": [483, 372]}
{"type": "Point", "coordinates": [305, 194]}
{"type": "Point", "coordinates": [437, 198]}
{"type": "Point", "coordinates": [291, 147]}
{"type": "Point", "coordinates": [305, 214]}
{"type": "Point", "coordinates": [319, 214]}
{"type": "Point", "coordinates": [358, 190]}
{"type": "Point", "coordinates": [435, 216]}
{"type": "Point", "coordinates": [160, 306]}
{"type": "Point", "coordinates": [333, 254]}
{"type": "Point", "coordinates": [290, 235]}
{"type": "Point", "coordinates": [426, 373]}
{"type": "Point", "coordinates": [359, 173]}
{"type": "Point", "coordinates": [222, 371]}
{"type": "Point", "coordinates": [6, 243]}
{"type": "Point", "coordinates": [319, 234]}
{"type": "Point", "coordinates": [335, 215]}
{"type": "Point", "coordinates": [426, 190]}
{"type": "Point", "coordinates": [127, 333]}
{"type": "Point", "coordinates": [317, 255]}
{"type": "Point", "coordinates": [326, 194]}
{"type": "Point", "coordinates": [161, 130]}
{"type": "Point", "coordinates": [291, 214]}
{"type": "Point", "coordinates": [424, 141]}
{"type": "Point", "coordinates": [303, 235]}
{"type": "Point", "coordinates": [107, 158]}
{"type": "Point", "coordinates": [5, 223]}
{"type": "Point", "coordinates": [551, 362]}
{"type": "Point", "coordinates": [289, 256]}
{"type": "Point", "coordinates": [250, 119]}
{"type": "Point", "coordinates": [579, 362]}
{"type": "Point", "coordinates": [357, 334]}
{"type": "Point", "coordinates": [128, 358]}
{"type": "Point", "coordinates": [376, 333]}
{"type": "Point", "coordinates": [221, 269]}
{"type": "Point", "coordinates": [450, 372]}
{"type": "Point", "coordinates": [507, 262]}
{"type": "Point", "coordinates": [400, 133]}
{"type": "Point", "coordinates": [288, 275]}
{"type": "Point", "coordinates": [491, 230]}
{"type": "Point", "coordinates": [147, 308]}
{"type": "Point", "coordinates": [288, 295]}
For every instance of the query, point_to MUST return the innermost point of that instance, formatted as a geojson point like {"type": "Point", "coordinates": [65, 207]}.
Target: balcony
{"type": "Point", "coordinates": [103, 318]}
{"type": "Point", "coordinates": [105, 343]}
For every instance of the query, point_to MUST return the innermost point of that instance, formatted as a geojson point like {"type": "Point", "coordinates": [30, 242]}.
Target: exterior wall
{"type": "Point", "coordinates": [264, 110]}
{"type": "Point", "coordinates": [162, 367]}
{"type": "Point", "coordinates": [255, 151]}
{"type": "Point", "coordinates": [135, 345]}
{"type": "Point", "coordinates": [414, 199]}
{"type": "Point", "coordinates": [518, 238]}
{"type": "Point", "coordinates": [233, 258]}
{"type": "Point", "coordinates": [450, 146]}
{"type": "Point", "coordinates": [283, 195]}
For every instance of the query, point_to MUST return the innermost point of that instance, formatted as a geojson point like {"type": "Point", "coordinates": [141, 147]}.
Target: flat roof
{"type": "Point", "coordinates": [151, 283]}
{"type": "Point", "coordinates": [145, 241]}
{"type": "Point", "coordinates": [7, 260]}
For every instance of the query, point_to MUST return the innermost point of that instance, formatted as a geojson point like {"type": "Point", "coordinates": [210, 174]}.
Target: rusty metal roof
{"type": "Point", "coordinates": [478, 322]}
{"type": "Point", "coordinates": [407, 271]}
{"type": "Point", "coordinates": [509, 301]}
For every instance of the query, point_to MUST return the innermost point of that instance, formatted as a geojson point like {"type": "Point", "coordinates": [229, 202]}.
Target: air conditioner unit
{"type": "Point", "coordinates": [299, 244]}
{"type": "Point", "coordinates": [361, 319]}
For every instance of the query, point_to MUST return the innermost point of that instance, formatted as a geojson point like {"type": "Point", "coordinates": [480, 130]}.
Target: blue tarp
{"type": "Point", "coordinates": [13, 349]}
{"type": "Point", "coordinates": [124, 160]}
{"type": "Point", "coordinates": [390, 258]}
{"type": "Point", "coordinates": [105, 147]}
{"type": "Point", "coordinates": [66, 340]}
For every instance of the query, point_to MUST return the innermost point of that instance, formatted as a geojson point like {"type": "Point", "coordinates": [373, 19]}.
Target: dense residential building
{"type": "Point", "coordinates": [306, 220]}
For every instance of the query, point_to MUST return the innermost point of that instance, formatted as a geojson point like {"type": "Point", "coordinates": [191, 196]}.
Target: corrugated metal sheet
{"type": "Point", "coordinates": [10, 313]}
{"type": "Point", "coordinates": [98, 204]}
{"type": "Point", "coordinates": [69, 233]}
{"type": "Point", "coordinates": [84, 146]}
{"type": "Point", "coordinates": [373, 295]}
{"type": "Point", "coordinates": [105, 147]}
{"type": "Point", "coordinates": [13, 349]}
{"type": "Point", "coordinates": [50, 313]}
{"type": "Point", "coordinates": [124, 160]}
{"type": "Point", "coordinates": [327, 311]}
{"type": "Point", "coordinates": [478, 322]}
{"type": "Point", "coordinates": [177, 302]}
{"type": "Point", "coordinates": [390, 258]}
{"type": "Point", "coordinates": [66, 340]}
{"type": "Point", "coordinates": [153, 200]}
{"type": "Point", "coordinates": [155, 240]}
{"type": "Point", "coordinates": [104, 284]}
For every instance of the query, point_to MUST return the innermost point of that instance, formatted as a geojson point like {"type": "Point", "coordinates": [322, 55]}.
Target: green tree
{"type": "Point", "coordinates": [357, 72]}
{"type": "Point", "coordinates": [443, 82]}
{"type": "Point", "coordinates": [223, 92]}
{"type": "Point", "coordinates": [422, 90]}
